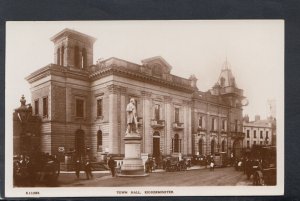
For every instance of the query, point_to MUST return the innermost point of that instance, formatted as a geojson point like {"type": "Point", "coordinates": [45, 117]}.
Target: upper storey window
{"type": "Point", "coordinates": [45, 107]}
{"type": "Point", "coordinates": [76, 56]}
{"type": "Point", "coordinates": [157, 112]}
{"type": "Point", "coordinates": [222, 82]}
{"type": "Point", "coordinates": [79, 108]}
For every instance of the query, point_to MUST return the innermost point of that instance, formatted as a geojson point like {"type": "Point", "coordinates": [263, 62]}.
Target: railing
{"type": "Point", "coordinates": [178, 126]}
{"type": "Point", "coordinates": [157, 123]}
{"type": "Point", "coordinates": [200, 128]}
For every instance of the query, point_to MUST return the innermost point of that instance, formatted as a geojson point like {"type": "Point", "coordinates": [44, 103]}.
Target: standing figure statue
{"type": "Point", "coordinates": [132, 123]}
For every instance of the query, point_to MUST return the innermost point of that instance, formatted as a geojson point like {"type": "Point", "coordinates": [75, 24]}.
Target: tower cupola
{"type": "Point", "coordinates": [73, 49]}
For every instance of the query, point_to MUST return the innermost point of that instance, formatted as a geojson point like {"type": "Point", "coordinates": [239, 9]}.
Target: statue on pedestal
{"type": "Point", "coordinates": [132, 123]}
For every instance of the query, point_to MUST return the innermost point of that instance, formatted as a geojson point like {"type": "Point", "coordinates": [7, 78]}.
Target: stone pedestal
{"type": "Point", "coordinates": [132, 163]}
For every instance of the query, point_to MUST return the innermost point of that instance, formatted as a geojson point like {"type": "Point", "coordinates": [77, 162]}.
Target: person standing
{"type": "Point", "coordinates": [88, 170]}
{"type": "Point", "coordinates": [77, 168]}
{"type": "Point", "coordinates": [111, 165]}
{"type": "Point", "coordinates": [212, 165]}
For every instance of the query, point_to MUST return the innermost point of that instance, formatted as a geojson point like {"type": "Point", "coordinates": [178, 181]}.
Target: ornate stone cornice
{"type": "Point", "coordinates": [123, 90]}
{"type": "Point", "coordinates": [187, 103]}
{"type": "Point", "coordinates": [146, 94]}
{"type": "Point", "coordinates": [62, 71]}
{"type": "Point", "coordinates": [168, 99]}
{"type": "Point", "coordinates": [113, 89]}
{"type": "Point", "coordinates": [121, 71]}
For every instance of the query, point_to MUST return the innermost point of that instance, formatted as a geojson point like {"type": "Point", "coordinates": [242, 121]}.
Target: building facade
{"type": "Point", "coordinates": [82, 105]}
{"type": "Point", "coordinates": [259, 132]}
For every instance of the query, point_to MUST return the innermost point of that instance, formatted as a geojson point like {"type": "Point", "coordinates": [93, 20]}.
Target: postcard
{"type": "Point", "coordinates": [144, 108]}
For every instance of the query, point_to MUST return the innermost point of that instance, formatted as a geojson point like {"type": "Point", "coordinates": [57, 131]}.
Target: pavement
{"type": "Point", "coordinates": [195, 167]}
{"type": "Point", "coordinates": [68, 178]}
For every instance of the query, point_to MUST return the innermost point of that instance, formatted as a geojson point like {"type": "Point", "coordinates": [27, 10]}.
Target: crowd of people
{"type": "Point", "coordinates": [33, 168]}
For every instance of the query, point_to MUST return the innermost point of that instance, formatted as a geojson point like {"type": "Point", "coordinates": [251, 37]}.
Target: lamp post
{"type": "Point", "coordinates": [23, 113]}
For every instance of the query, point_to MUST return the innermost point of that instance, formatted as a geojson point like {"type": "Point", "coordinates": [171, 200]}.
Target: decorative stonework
{"type": "Point", "coordinates": [113, 89]}
{"type": "Point", "coordinates": [168, 99]}
{"type": "Point", "coordinates": [146, 94]}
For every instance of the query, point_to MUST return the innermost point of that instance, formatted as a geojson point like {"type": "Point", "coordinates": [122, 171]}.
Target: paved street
{"type": "Point", "coordinates": [198, 177]}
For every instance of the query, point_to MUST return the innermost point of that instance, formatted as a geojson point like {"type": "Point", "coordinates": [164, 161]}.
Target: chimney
{"type": "Point", "coordinates": [257, 117]}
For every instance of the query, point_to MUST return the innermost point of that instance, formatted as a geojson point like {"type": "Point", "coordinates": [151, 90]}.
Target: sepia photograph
{"type": "Point", "coordinates": [144, 108]}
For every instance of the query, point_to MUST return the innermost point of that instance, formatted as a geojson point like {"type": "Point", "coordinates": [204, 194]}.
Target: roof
{"type": "Point", "coordinates": [67, 32]}
{"type": "Point", "coordinates": [145, 61]}
{"type": "Point", "coordinates": [229, 79]}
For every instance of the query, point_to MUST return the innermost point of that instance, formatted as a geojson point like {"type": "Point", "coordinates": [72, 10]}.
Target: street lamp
{"type": "Point", "coordinates": [23, 113]}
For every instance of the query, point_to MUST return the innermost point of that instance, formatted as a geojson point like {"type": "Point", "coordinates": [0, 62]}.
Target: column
{"type": "Point", "coordinates": [113, 119]}
{"type": "Point", "coordinates": [123, 122]}
{"type": "Point", "coordinates": [186, 128]}
{"type": "Point", "coordinates": [168, 126]}
{"type": "Point", "coordinates": [147, 136]}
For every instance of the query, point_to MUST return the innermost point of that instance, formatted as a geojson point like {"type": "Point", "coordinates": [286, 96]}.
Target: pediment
{"type": "Point", "coordinates": [158, 62]}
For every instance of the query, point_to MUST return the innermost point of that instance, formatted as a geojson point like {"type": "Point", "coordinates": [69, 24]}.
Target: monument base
{"type": "Point", "coordinates": [132, 164]}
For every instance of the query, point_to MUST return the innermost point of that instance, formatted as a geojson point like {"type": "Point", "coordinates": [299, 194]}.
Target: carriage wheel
{"type": "Point", "coordinates": [258, 179]}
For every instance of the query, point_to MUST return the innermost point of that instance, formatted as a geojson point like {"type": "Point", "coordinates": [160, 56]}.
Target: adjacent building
{"type": "Point", "coordinates": [82, 105]}
{"type": "Point", "coordinates": [259, 132]}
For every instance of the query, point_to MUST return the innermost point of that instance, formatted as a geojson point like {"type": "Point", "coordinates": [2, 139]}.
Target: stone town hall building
{"type": "Point", "coordinates": [82, 105]}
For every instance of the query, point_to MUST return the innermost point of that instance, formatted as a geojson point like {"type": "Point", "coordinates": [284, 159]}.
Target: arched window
{"type": "Point", "coordinates": [200, 146]}
{"type": "Point", "coordinates": [76, 56]}
{"type": "Point", "coordinates": [176, 143]}
{"type": "Point", "coordinates": [62, 56]}
{"type": "Point", "coordinates": [223, 146]}
{"type": "Point", "coordinates": [84, 58]}
{"type": "Point", "coordinates": [222, 81]}
{"type": "Point", "coordinates": [99, 140]}
{"type": "Point", "coordinates": [58, 56]}
{"type": "Point", "coordinates": [212, 147]}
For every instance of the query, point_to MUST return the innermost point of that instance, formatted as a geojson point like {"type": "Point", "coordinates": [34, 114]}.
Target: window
{"type": "Point", "coordinates": [76, 56]}
{"type": "Point", "coordinates": [36, 107]}
{"type": "Point", "coordinates": [213, 124]}
{"type": "Point", "coordinates": [254, 142]}
{"type": "Point", "coordinates": [99, 108]}
{"type": "Point", "coordinates": [58, 56]}
{"type": "Point", "coordinates": [261, 134]}
{"type": "Point", "coordinates": [200, 146]}
{"type": "Point", "coordinates": [157, 111]}
{"type": "Point", "coordinates": [176, 143]}
{"type": "Point", "coordinates": [79, 108]}
{"type": "Point", "coordinates": [200, 122]}
{"type": "Point", "coordinates": [84, 58]}
{"type": "Point", "coordinates": [254, 134]}
{"type": "Point", "coordinates": [223, 124]}
{"type": "Point", "coordinates": [223, 146]}
{"type": "Point", "coordinates": [248, 143]}
{"type": "Point", "coordinates": [176, 115]}
{"type": "Point", "coordinates": [45, 107]}
{"type": "Point", "coordinates": [248, 134]}
{"type": "Point", "coordinates": [267, 134]}
{"type": "Point", "coordinates": [260, 142]}
{"type": "Point", "coordinates": [99, 140]}
{"type": "Point", "coordinates": [212, 147]}
{"type": "Point", "coordinates": [62, 56]}
{"type": "Point", "coordinates": [222, 81]}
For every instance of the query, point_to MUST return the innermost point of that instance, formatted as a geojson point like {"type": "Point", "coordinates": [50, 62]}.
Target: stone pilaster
{"type": "Point", "coordinates": [147, 137]}
{"type": "Point", "coordinates": [113, 119]}
{"type": "Point", "coordinates": [168, 125]}
{"type": "Point", "coordinates": [123, 122]}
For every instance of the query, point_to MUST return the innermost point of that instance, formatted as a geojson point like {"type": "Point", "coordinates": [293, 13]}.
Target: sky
{"type": "Point", "coordinates": [254, 49]}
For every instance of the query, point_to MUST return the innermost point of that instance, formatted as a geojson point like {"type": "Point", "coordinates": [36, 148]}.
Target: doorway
{"type": "Point", "coordinates": [156, 144]}
{"type": "Point", "coordinates": [79, 144]}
